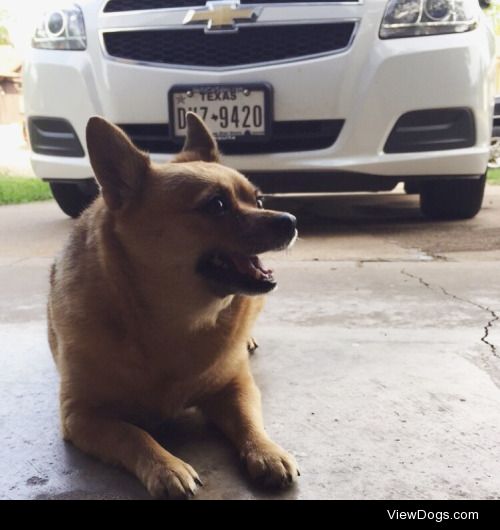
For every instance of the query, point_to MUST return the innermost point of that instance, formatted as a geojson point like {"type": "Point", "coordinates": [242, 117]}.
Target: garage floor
{"type": "Point", "coordinates": [378, 363]}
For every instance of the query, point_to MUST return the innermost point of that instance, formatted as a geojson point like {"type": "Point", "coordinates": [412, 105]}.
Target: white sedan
{"type": "Point", "coordinates": [350, 95]}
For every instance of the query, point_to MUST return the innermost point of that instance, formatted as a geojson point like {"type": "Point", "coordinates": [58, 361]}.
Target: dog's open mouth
{"type": "Point", "coordinates": [237, 273]}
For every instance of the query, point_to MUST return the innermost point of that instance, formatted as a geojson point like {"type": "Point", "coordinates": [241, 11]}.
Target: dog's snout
{"type": "Point", "coordinates": [286, 224]}
{"type": "Point", "coordinates": [269, 230]}
{"type": "Point", "coordinates": [288, 221]}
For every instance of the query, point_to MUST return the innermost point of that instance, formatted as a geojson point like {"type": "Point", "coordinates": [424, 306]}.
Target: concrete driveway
{"type": "Point", "coordinates": [378, 363]}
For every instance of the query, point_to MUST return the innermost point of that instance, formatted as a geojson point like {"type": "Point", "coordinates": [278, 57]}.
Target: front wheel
{"type": "Point", "coordinates": [74, 198]}
{"type": "Point", "coordinates": [452, 198]}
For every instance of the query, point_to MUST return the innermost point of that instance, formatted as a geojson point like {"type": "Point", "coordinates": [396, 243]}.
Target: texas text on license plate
{"type": "Point", "coordinates": [232, 112]}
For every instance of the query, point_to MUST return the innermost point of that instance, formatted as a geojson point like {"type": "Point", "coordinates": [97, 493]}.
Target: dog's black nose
{"type": "Point", "coordinates": [286, 223]}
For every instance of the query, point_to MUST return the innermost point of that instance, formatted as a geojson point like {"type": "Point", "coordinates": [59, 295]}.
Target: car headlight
{"type": "Point", "coordinates": [413, 18]}
{"type": "Point", "coordinates": [61, 29]}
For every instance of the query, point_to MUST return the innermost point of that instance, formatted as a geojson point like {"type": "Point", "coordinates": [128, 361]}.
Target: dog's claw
{"type": "Point", "coordinates": [198, 481]}
{"type": "Point", "coordinates": [298, 472]}
{"type": "Point", "coordinates": [252, 345]}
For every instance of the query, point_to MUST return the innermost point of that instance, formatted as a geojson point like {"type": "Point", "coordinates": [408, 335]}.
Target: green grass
{"type": "Point", "coordinates": [494, 176]}
{"type": "Point", "coordinates": [16, 190]}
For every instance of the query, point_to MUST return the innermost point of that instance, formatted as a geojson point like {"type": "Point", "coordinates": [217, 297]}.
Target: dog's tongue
{"type": "Point", "coordinates": [250, 265]}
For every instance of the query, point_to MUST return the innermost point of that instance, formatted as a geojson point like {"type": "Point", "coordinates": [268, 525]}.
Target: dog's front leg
{"type": "Point", "coordinates": [236, 410]}
{"type": "Point", "coordinates": [124, 444]}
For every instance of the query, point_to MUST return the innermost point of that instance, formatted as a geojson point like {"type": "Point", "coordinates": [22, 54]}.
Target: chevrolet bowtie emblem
{"type": "Point", "coordinates": [221, 16]}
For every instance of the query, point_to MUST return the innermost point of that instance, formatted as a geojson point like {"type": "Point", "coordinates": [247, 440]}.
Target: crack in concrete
{"type": "Point", "coordinates": [489, 324]}
{"type": "Point", "coordinates": [435, 257]}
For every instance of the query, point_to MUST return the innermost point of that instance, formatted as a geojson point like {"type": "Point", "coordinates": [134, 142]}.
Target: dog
{"type": "Point", "coordinates": [151, 307]}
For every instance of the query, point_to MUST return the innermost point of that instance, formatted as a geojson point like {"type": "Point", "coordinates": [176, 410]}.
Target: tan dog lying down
{"type": "Point", "coordinates": [151, 308]}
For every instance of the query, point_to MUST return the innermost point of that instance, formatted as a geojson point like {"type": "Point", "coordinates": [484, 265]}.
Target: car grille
{"type": "Point", "coordinates": [286, 136]}
{"type": "Point", "coordinates": [250, 45]}
{"type": "Point", "coordinates": [114, 6]}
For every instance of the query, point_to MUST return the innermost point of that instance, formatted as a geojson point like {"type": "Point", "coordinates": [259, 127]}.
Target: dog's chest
{"type": "Point", "coordinates": [162, 370]}
{"type": "Point", "coordinates": [164, 385]}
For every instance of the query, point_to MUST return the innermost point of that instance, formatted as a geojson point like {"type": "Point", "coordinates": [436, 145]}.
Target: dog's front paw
{"type": "Point", "coordinates": [270, 465]}
{"type": "Point", "coordinates": [173, 479]}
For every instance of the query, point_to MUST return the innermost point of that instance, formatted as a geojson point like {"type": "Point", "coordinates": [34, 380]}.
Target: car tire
{"type": "Point", "coordinates": [73, 199]}
{"type": "Point", "coordinates": [452, 198]}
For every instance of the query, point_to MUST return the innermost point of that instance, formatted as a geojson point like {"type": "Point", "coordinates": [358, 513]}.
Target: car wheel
{"type": "Point", "coordinates": [74, 198]}
{"type": "Point", "coordinates": [452, 198]}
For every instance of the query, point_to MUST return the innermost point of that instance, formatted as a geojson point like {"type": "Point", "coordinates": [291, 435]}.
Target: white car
{"type": "Point", "coordinates": [350, 95]}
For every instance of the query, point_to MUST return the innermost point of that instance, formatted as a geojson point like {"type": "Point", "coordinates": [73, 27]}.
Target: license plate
{"type": "Point", "coordinates": [232, 112]}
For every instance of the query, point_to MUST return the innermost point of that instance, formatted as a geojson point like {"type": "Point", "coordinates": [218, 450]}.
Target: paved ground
{"type": "Point", "coordinates": [378, 362]}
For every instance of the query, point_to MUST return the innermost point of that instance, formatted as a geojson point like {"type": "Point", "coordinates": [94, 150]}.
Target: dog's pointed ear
{"type": "Point", "coordinates": [118, 165]}
{"type": "Point", "coordinates": [199, 144]}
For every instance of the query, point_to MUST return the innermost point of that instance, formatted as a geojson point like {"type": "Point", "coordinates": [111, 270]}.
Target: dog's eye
{"type": "Point", "coordinates": [217, 205]}
{"type": "Point", "coordinates": [260, 203]}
